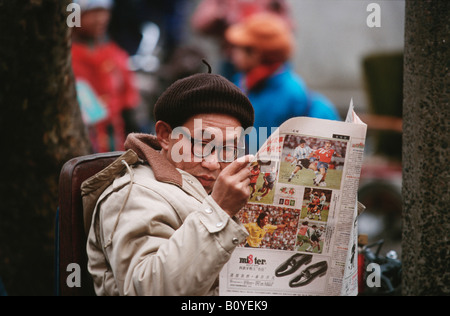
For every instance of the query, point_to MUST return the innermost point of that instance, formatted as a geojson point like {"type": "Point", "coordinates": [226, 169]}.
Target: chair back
{"type": "Point", "coordinates": [71, 236]}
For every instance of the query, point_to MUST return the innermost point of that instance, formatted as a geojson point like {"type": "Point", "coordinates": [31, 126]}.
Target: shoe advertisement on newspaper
{"type": "Point", "coordinates": [302, 214]}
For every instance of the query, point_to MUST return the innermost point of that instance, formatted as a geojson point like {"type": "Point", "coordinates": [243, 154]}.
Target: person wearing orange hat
{"type": "Point", "coordinates": [262, 47]}
{"type": "Point", "coordinates": [213, 17]}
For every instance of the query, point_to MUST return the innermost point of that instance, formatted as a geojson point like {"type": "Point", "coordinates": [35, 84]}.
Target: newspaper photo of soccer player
{"type": "Point", "coordinates": [262, 181]}
{"type": "Point", "coordinates": [311, 236]}
{"type": "Point", "coordinates": [311, 161]}
{"type": "Point", "coordinates": [270, 227]}
{"type": "Point", "coordinates": [316, 204]}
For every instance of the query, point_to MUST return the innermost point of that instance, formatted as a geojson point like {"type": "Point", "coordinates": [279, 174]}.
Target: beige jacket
{"type": "Point", "coordinates": [154, 229]}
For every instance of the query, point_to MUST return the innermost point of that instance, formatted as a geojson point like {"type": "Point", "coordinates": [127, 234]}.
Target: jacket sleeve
{"type": "Point", "coordinates": [155, 252]}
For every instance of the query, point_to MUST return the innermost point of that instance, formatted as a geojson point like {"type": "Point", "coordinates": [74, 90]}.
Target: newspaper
{"type": "Point", "coordinates": [302, 214]}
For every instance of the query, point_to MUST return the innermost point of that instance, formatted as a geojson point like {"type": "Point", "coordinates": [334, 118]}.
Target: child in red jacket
{"type": "Point", "coordinates": [104, 66]}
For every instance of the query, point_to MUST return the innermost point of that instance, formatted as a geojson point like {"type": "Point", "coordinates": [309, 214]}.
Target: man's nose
{"type": "Point", "coordinates": [211, 162]}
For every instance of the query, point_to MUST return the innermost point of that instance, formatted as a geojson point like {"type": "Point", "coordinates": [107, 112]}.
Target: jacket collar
{"type": "Point", "coordinates": [260, 74]}
{"type": "Point", "coordinates": [148, 148]}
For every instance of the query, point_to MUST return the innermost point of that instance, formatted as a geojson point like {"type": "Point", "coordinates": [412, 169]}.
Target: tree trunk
{"type": "Point", "coordinates": [41, 128]}
{"type": "Point", "coordinates": [426, 231]}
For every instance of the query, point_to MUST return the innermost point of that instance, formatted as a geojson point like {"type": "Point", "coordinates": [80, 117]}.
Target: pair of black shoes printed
{"type": "Point", "coordinates": [308, 275]}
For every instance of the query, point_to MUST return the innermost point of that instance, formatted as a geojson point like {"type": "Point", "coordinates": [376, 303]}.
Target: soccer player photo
{"type": "Point", "coordinates": [311, 237]}
{"type": "Point", "coordinates": [316, 204]}
{"type": "Point", "coordinates": [311, 161]}
{"type": "Point", "coordinates": [255, 172]}
{"type": "Point", "coordinates": [270, 227]}
{"type": "Point", "coordinates": [262, 182]}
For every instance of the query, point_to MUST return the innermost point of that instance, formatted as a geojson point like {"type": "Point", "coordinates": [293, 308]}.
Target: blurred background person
{"type": "Point", "coordinates": [213, 17]}
{"type": "Point", "coordinates": [262, 46]}
{"type": "Point", "coordinates": [128, 18]}
{"type": "Point", "coordinates": [155, 35]}
{"type": "Point", "coordinates": [102, 65]}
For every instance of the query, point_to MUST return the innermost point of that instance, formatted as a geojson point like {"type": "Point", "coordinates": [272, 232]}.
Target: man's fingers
{"type": "Point", "coordinates": [247, 184]}
{"type": "Point", "coordinates": [239, 164]}
{"type": "Point", "coordinates": [243, 174]}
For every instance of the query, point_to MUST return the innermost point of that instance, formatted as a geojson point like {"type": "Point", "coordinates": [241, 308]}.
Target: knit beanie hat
{"type": "Point", "coordinates": [203, 93]}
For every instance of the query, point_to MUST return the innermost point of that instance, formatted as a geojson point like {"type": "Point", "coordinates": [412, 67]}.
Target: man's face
{"type": "Point", "coordinates": [245, 58]}
{"type": "Point", "coordinates": [221, 130]}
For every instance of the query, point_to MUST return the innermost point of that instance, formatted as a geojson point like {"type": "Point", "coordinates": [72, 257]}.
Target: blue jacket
{"type": "Point", "coordinates": [284, 95]}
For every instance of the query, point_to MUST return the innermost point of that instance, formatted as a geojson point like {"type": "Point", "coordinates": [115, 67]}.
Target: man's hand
{"type": "Point", "coordinates": [232, 188]}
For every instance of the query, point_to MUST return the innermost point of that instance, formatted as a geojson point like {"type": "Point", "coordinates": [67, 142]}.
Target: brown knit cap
{"type": "Point", "coordinates": [204, 93]}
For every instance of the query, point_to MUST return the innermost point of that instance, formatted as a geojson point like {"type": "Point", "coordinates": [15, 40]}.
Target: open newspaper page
{"type": "Point", "coordinates": [302, 213]}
